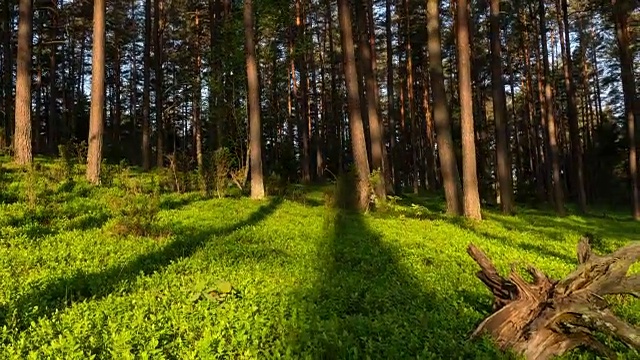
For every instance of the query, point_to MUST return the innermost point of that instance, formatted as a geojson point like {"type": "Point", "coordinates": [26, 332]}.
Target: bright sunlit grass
{"type": "Point", "coordinates": [111, 273]}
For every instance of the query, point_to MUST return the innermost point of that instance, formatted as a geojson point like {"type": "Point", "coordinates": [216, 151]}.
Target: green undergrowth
{"type": "Point", "coordinates": [127, 270]}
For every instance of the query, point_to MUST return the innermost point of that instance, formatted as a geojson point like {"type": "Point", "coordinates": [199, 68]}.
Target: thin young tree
{"type": "Point", "coordinates": [449, 168]}
{"type": "Point", "coordinates": [469, 175]}
{"type": "Point", "coordinates": [503, 156]}
{"type": "Point", "coordinates": [253, 95]}
{"type": "Point", "coordinates": [158, 52]}
{"type": "Point", "coordinates": [146, 98]}
{"type": "Point", "coordinates": [358, 144]}
{"type": "Point", "coordinates": [22, 135]}
{"type": "Point", "coordinates": [96, 122]}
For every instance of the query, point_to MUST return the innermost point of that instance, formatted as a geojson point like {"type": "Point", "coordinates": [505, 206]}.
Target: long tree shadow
{"type": "Point", "coordinates": [61, 293]}
{"type": "Point", "coordinates": [366, 304]}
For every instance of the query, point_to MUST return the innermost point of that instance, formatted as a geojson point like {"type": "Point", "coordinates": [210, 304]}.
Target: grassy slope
{"type": "Point", "coordinates": [312, 282]}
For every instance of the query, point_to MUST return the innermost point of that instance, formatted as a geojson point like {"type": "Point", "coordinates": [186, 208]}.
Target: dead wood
{"type": "Point", "coordinates": [546, 318]}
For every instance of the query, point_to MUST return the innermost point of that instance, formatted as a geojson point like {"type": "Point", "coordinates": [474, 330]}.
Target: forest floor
{"type": "Point", "coordinates": [122, 272]}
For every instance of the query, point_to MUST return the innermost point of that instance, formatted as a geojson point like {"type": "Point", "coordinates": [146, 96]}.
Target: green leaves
{"type": "Point", "coordinates": [218, 294]}
{"type": "Point", "coordinates": [237, 279]}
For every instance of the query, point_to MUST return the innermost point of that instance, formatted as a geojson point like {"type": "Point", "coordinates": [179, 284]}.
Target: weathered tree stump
{"type": "Point", "coordinates": [547, 318]}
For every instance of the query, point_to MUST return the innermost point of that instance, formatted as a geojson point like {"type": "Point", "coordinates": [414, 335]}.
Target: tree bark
{"type": "Point", "coordinates": [449, 168]}
{"type": "Point", "coordinates": [503, 155]}
{"type": "Point", "coordinates": [96, 124]}
{"type": "Point", "coordinates": [157, 49]}
{"type": "Point", "coordinates": [301, 59]}
{"type": "Point", "coordinates": [146, 84]}
{"type": "Point", "coordinates": [391, 112]}
{"type": "Point", "coordinates": [558, 192]}
{"type": "Point", "coordinates": [413, 175]}
{"type": "Point", "coordinates": [52, 121]}
{"type": "Point", "coordinates": [359, 147]}
{"type": "Point", "coordinates": [470, 175]}
{"type": "Point", "coordinates": [371, 84]}
{"type": "Point", "coordinates": [22, 136]}
{"type": "Point", "coordinates": [572, 109]}
{"type": "Point", "coordinates": [253, 95]}
{"type": "Point", "coordinates": [7, 74]}
{"type": "Point", "coordinates": [621, 11]}
{"type": "Point", "coordinates": [197, 122]}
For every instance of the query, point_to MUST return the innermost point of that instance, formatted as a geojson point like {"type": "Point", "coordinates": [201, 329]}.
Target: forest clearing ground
{"type": "Point", "coordinates": [115, 272]}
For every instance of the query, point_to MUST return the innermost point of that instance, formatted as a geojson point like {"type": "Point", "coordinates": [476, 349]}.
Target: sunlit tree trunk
{"type": "Point", "coordinates": [22, 136]}
{"type": "Point", "coordinates": [96, 124]}
{"type": "Point", "coordinates": [470, 175]}
{"type": "Point", "coordinates": [359, 147]}
{"type": "Point", "coordinates": [413, 174]}
{"type": "Point", "coordinates": [253, 97]}
{"type": "Point", "coordinates": [558, 192]}
{"type": "Point", "coordinates": [371, 105]}
{"type": "Point", "coordinates": [197, 122]}
{"type": "Point", "coordinates": [449, 168]}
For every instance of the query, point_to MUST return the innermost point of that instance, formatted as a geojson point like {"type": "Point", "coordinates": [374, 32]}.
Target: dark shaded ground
{"type": "Point", "coordinates": [365, 305]}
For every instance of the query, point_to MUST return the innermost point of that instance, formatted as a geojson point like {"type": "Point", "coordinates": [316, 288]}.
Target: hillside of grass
{"type": "Point", "coordinates": [127, 270]}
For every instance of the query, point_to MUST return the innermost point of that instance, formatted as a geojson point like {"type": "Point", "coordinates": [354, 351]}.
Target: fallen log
{"type": "Point", "coordinates": [547, 318]}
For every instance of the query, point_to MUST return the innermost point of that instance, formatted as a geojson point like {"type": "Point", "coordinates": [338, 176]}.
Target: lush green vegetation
{"type": "Point", "coordinates": [127, 270]}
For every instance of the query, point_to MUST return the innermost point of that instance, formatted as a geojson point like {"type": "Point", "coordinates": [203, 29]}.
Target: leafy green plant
{"type": "Point", "coordinates": [135, 215]}
{"type": "Point", "coordinates": [85, 274]}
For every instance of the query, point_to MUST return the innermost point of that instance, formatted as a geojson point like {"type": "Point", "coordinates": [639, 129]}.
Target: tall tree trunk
{"type": "Point", "coordinates": [596, 73]}
{"type": "Point", "coordinates": [572, 109]}
{"type": "Point", "coordinates": [533, 138]}
{"type": "Point", "coordinates": [558, 192]}
{"type": "Point", "coordinates": [146, 98]}
{"type": "Point", "coordinates": [413, 136]}
{"type": "Point", "coordinates": [449, 168]}
{"type": "Point", "coordinates": [158, 51]}
{"type": "Point", "coordinates": [96, 124]}
{"type": "Point", "coordinates": [431, 171]}
{"type": "Point", "coordinates": [7, 73]}
{"type": "Point", "coordinates": [133, 100]}
{"type": "Point", "coordinates": [304, 92]}
{"type": "Point", "coordinates": [215, 81]}
{"type": "Point", "coordinates": [503, 155]}
{"type": "Point", "coordinates": [621, 10]}
{"type": "Point", "coordinates": [359, 147]}
{"type": "Point", "coordinates": [391, 112]}
{"type": "Point", "coordinates": [117, 116]}
{"type": "Point", "coordinates": [253, 95]}
{"type": "Point", "coordinates": [197, 122]}
{"type": "Point", "coordinates": [371, 84]}
{"type": "Point", "coordinates": [22, 137]}
{"type": "Point", "coordinates": [470, 175]}
{"type": "Point", "coordinates": [336, 110]}
{"type": "Point", "coordinates": [52, 122]}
